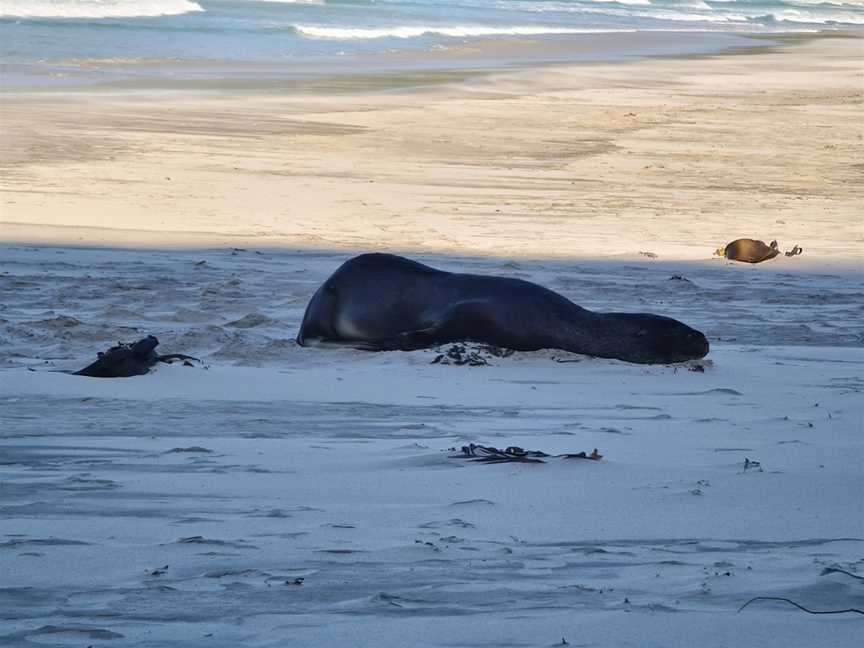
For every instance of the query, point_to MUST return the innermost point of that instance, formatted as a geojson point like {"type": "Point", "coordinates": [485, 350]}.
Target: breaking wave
{"type": "Point", "coordinates": [456, 31]}
{"type": "Point", "coordinates": [734, 13]}
{"type": "Point", "coordinates": [95, 8]}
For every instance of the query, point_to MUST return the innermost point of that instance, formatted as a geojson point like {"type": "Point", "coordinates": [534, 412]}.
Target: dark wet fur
{"type": "Point", "coordinates": [383, 302]}
{"type": "Point", "coordinates": [126, 360]}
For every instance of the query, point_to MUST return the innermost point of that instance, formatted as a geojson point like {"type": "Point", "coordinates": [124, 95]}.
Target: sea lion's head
{"type": "Point", "coordinates": [654, 339]}
{"type": "Point", "coordinates": [320, 317]}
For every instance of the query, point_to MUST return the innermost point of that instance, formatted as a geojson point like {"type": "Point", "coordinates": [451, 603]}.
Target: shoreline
{"type": "Point", "coordinates": [406, 69]}
{"type": "Point", "coordinates": [22, 236]}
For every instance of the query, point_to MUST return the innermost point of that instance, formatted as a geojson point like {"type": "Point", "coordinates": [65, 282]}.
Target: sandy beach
{"type": "Point", "coordinates": [277, 496]}
{"type": "Point", "coordinates": [669, 150]}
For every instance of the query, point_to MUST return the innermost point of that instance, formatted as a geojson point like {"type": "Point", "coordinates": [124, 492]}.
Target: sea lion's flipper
{"type": "Point", "coordinates": [471, 320]}
{"type": "Point", "coordinates": [408, 341]}
{"type": "Point", "coordinates": [774, 245]}
{"type": "Point", "coordinates": [794, 251]}
{"type": "Point", "coordinates": [450, 327]}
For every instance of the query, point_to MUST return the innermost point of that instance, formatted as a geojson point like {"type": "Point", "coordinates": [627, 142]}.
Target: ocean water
{"type": "Point", "coordinates": [46, 35]}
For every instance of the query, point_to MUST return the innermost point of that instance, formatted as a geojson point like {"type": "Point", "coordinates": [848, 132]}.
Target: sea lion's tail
{"type": "Point", "coordinates": [721, 251]}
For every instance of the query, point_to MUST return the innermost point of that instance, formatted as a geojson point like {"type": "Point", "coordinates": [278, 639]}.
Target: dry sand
{"type": "Point", "coordinates": [181, 508]}
{"type": "Point", "coordinates": [674, 156]}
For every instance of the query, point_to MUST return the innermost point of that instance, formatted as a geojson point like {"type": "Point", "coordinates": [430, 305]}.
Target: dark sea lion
{"type": "Point", "coordinates": [126, 360]}
{"type": "Point", "coordinates": [383, 302]}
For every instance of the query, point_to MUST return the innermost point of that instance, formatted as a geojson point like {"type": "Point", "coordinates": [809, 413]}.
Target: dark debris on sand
{"type": "Point", "coordinates": [460, 355]}
{"type": "Point", "coordinates": [514, 454]}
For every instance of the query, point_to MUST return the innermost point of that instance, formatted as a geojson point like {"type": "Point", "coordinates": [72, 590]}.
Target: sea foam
{"type": "Point", "coordinates": [95, 8]}
{"type": "Point", "coordinates": [456, 31]}
{"type": "Point", "coordinates": [731, 14]}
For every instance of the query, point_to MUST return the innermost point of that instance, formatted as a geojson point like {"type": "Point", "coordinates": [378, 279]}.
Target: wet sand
{"type": "Point", "coordinates": [182, 507]}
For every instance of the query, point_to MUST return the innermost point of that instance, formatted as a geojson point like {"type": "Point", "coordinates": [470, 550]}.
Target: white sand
{"type": "Point", "coordinates": [332, 466]}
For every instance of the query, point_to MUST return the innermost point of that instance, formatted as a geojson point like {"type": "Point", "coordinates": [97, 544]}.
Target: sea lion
{"type": "Point", "coordinates": [748, 251]}
{"type": "Point", "coordinates": [126, 360]}
{"type": "Point", "coordinates": [384, 302]}
{"type": "Point", "coordinates": [752, 251]}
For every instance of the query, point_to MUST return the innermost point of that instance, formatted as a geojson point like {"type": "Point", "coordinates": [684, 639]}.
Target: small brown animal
{"type": "Point", "coordinates": [752, 251]}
